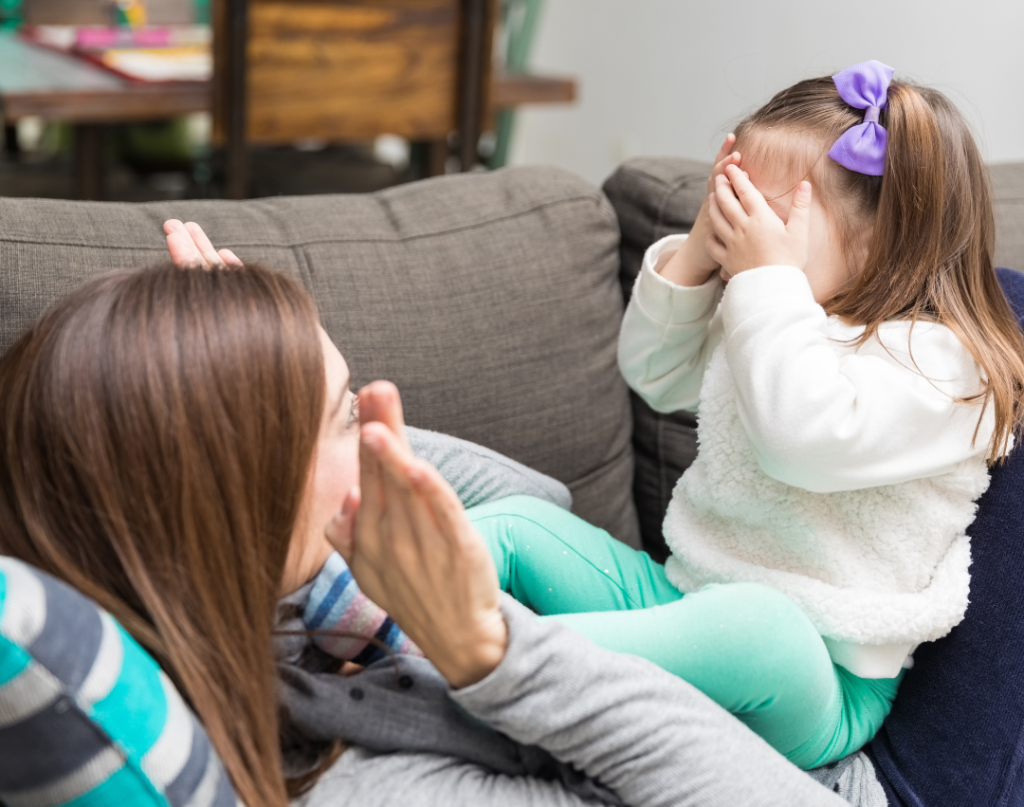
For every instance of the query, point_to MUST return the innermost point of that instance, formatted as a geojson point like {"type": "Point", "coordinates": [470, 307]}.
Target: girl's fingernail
{"type": "Point", "coordinates": [370, 440]}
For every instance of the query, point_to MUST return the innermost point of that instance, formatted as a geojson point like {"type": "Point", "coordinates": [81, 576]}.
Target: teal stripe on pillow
{"type": "Point", "coordinates": [87, 717]}
{"type": "Point", "coordinates": [135, 710]}
{"type": "Point", "coordinates": [12, 660]}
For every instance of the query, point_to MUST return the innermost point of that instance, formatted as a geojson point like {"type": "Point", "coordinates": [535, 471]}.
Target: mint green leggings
{"type": "Point", "coordinates": [746, 646]}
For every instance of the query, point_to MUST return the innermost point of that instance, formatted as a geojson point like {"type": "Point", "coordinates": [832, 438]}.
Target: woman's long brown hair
{"type": "Point", "coordinates": [157, 430]}
{"type": "Point", "coordinates": [930, 255]}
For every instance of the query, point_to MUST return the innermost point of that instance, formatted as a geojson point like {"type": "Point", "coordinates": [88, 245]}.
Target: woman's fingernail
{"type": "Point", "coordinates": [370, 440]}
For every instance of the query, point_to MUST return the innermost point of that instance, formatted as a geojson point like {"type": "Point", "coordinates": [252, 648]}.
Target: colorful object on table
{"type": "Point", "coordinates": [86, 715]}
{"type": "Point", "coordinates": [861, 148]}
{"type": "Point", "coordinates": [337, 604]}
{"type": "Point", "coordinates": [129, 12]}
{"type": "Point", "coordinates": [153, 54]}
{"type": "Point", "coordinates": [99, 38]}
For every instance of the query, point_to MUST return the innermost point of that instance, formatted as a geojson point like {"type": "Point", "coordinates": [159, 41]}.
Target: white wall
{"type": "Point", "coordinates": [670, 77]}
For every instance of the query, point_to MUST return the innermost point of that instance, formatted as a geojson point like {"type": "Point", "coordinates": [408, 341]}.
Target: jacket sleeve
{"type": "Point", "coordinates": [650, 737]}
{"type": "Point", "coordinates": [668, 333]}
{"type": "Point", "coordinates": [827, 419]}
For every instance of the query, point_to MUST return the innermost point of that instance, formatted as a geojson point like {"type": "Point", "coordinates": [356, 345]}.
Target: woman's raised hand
{"type": "Point", "coordinates": [190, 247]}
{"type": "Point", "coordinates": [406, 538]}
{"type": "Point", "coordinates": [692, 264]}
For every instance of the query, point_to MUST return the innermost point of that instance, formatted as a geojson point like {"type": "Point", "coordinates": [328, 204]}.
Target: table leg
{"type": "Point", "coordinates": [437, 157]}
{"type": "Point", "coordinates": [88, 161]}
{"type": "Point", "coordinates": [11, 141]}
{"type": "Point", "coordinates": [471, 89]}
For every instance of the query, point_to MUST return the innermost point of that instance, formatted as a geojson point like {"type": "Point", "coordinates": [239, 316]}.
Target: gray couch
{"type": "Point", "coordinates": [493, 301]}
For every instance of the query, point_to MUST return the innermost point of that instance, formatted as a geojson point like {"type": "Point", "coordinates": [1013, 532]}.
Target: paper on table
{"type": "Point", "coordinates": [162, 64]}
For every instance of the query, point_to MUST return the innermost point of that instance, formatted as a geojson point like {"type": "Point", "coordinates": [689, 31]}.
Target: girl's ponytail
{"type": "Point", "coordinates": [931, 253]}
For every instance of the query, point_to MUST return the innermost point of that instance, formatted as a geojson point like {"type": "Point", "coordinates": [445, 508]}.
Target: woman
{"type": "Point", "coordinates": [176, 444]}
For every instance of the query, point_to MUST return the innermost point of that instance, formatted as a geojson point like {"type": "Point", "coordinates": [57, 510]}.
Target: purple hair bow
{"type": "Point", "coordinates": [861, 148]}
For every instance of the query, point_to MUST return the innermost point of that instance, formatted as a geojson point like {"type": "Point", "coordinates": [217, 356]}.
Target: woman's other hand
{"type": "Point", "coordinates": [190, 247]}
{"type": "Point", "coordinates": [406, 538]}
{"type": "Point", "coordinates": [692, 264]}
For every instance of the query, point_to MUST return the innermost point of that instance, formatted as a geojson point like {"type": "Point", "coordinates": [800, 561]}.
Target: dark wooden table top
{"type": "Point", "coordinates": [38, 81]}
{"type": "Point", "coordinates": [42, 82]}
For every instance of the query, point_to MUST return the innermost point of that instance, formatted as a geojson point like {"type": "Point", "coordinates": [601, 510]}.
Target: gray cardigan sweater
{"type": "Point", "coordinates": [648, 737]}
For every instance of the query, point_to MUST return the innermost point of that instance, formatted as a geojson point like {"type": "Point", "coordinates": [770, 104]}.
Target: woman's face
{"type": "Point", "coordinates": [334, 473]}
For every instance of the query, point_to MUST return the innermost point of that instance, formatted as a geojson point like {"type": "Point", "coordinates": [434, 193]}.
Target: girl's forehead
{"type": "Point", "coordinates": [777, 159]}
{"type": "Point", "coordinates": [784, 154]}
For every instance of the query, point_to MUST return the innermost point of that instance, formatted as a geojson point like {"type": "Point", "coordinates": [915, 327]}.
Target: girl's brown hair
{"type": "Point", "coordinates": [157, 430]}
{"type": "Point", "coordinates": [930, 255]}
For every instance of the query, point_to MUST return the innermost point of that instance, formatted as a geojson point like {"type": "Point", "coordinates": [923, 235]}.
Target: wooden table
{"type": "Point", "coordinates": [36, 81]}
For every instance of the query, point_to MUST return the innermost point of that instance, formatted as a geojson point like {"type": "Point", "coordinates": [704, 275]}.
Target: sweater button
{"type": "Point", "coordinates": [405, 682]}
{"type": "Point", "coordinates": [356, 694]}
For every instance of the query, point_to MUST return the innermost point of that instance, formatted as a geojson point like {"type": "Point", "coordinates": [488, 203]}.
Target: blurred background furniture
{"type": "Point", "coordinates": [291, 70]}
{"type": "Point", "coordinates": [316, 74]}
{"type": "Point", "coordinates": [287, 70]}
{"type": "Point", "coordinates": [36, 82]}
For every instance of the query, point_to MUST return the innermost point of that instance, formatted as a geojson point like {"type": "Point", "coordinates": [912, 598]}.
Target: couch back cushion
{"type": "Point", "coordinates": [654, 197]}
{"type": "Point", "coordinates": [492, 300]}
{"type": "Point", "coordinates": [1008, 202]}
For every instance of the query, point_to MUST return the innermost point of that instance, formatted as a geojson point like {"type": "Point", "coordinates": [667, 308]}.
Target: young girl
{"type": "Point", "coordinates": [856, 367]}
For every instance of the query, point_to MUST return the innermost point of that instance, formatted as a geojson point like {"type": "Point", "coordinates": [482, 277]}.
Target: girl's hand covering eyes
{"type": "Point", "coordinates": [190, 248]}
{"type": "Point", "coordinates": [693, 264]}
{"type": "Point", "coordinates": [747, 233]}
{"type": "Point", "coordinates": [406, 538]}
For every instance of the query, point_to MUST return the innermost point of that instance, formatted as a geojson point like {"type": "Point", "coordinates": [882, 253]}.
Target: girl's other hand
{"type": "Point", "coordinates": [414, 553]}
{"type": "Point", "coordinates": [190, 248]}
{"type": "Point", "coordinates": [692, 264]}
{"type": "Point", "coordinates": [747, 233]}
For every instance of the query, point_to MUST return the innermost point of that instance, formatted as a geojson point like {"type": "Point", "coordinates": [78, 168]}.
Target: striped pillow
{"type": "Point", "coordinates": [86, 715]}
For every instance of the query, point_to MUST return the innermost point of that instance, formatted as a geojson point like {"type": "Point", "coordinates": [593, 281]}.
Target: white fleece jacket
{"type": "Point", "coordinates": [843, 476]}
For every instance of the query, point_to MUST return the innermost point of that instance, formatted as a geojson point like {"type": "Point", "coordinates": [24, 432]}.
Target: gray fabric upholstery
{"type": "Point", "coordinates": [1008, 197]}
{"type": "Point", "coordinates": [654, 197]}
{"type": "Point", "coordinates": [479, 475]}
{"type": "Point", "coordinates": [492, 300]}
